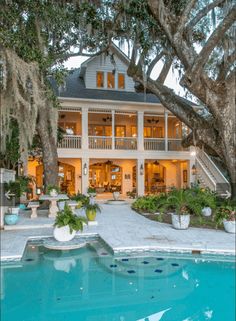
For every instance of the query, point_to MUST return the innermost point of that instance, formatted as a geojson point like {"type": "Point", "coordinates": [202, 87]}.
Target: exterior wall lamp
{"type": "Point", "coordinates": [141, 169]}
{"type": "Point", "coordinates": [194, 170]}
{"type": "Point", "coordinates": [38, 190]}
{"type": "Point", "coordinates": [85, 169]}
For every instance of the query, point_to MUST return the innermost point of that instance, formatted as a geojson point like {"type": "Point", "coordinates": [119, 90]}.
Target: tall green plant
{"type": "Point", "coordinates": [183, 201]}
{"type": "Point", "coordinates": [66, 217]}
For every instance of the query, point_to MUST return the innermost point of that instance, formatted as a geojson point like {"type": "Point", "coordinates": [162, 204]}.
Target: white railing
{"type": "Point", "coordinates": [70, 141]}
{"type": "Point", "coordinates": [154, 144]}
{"type": "Point", "coordinates": [100, 142]}
{"type": "Point", "coordinates": [174, 144]}
{"type": "Point", "coordinates": [125, 143]}
{"type": "Point", "coordinates": [204, 177]}
{"type": "Point", "coordinates": [222, 184]}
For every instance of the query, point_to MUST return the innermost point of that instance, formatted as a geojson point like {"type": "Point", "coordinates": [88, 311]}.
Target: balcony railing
{"type": "Point", "coordinates": [128, 143]}
{"type": "Point", "coordinates": [174, 144]}
{"type": "Point", "coordinates": [121, 143]}
{"type": "Point", "coordinates": [70, 141]}
{"type": "Point", "coordinates": [100, 142]}
{"type": "Point", "coordinates": [154, 144]}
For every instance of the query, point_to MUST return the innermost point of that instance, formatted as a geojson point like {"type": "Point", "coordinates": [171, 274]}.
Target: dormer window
{"type": "Point", "coordinates": [100, 79]}
{"type": "Point", "coordinates": [110, 80]}
{"type": "Point", "coordinates": [121, 81]}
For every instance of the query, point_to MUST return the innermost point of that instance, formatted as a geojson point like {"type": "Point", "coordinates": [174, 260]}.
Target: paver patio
{"type": "Point", "coordinates": [123, 229]}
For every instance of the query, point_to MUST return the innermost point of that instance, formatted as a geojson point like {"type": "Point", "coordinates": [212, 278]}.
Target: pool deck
{"type": "Point", "coordinates": [123, 230]}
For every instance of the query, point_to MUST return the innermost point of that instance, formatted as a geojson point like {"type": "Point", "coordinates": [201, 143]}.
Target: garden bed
{"type": "Point", "coordinates": [206, 222]}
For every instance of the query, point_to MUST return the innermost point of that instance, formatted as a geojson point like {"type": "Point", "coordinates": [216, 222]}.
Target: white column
{"type": "Point", "coordinates": [85, 174]}
{"type": "Point", "coordinates": [140, 174]}
{"type": "Point", "coordinates": [140, 130]}
{"type": "Point", "coordinates": [84, 128]}
{"type": "Point", "coordinates": [166, 131]}
{"type": "Point", "coordinates": [113, 129]}
{"type": "Point", "coordinates": [191, 177]}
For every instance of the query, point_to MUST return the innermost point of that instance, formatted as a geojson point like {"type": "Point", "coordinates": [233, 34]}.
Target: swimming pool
{"type": "Point", "coordinates": [89, 284]}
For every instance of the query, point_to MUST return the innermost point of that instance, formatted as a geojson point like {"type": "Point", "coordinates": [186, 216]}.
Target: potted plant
{"type": "Point", "coordinates": [11, 217]}
{"type": "Point", "coordinates": [184, 203]}
{"type": "Point", "coordinates": [226, 214]}
{"type": "Point", "coordinates": [116, 195]}
{"type": "Point", "coordinates": [91, 210]}
{"type": "Point", "coordinates": [53, 190]}
{"type": "Point", "coordinates": [67, 224]}
{"type": "Point", "coordinates": [15, 189]}
{"type": "Point", "coordinates": [92, 191]}
{"type": "Point", "coordinates": [207, 198]}
{"type": "Point", "coordinates": [81, 199]}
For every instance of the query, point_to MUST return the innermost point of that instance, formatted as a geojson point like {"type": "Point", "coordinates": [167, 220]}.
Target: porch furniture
{"type": "Point", "coordinates": [53, 208]}
{"type": "Point", "coordinates": [33, 206]}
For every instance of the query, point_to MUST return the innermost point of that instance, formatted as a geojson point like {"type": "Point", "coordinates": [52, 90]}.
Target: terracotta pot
{"type": "Point", "coordinates": [62, 234]}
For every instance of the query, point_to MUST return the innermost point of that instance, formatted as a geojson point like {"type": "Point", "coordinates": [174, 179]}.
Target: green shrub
{"type": "Point", "coordinates": [148, 204]}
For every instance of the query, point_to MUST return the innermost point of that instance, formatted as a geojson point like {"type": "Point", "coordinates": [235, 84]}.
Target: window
{"type": "Point", "coordinates": [100, 79]}
{"type": "Point", "coordinates": [121, 81]}
{"type": "Point", "coordinates": [110, 80]}
{"type": "Point", "coordinates": [157, 132]}
{"type": "Point", "coordinates": [120, 131]}
{"type": "Point", "coordinates": [147, 132]}
{"type": "Point", "coordinates": [133, 131]}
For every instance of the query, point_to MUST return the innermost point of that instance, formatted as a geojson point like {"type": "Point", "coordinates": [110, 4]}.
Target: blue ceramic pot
{"type": "Point", "coordinates": [10, 219]}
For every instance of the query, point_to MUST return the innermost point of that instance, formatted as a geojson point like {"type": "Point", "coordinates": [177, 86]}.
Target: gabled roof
{"type": "Point", "coordinates": [75, 88]}
{"type": "Point", "coordinates": [116, 50]}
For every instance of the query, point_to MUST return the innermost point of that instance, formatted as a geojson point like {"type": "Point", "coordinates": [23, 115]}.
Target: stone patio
{"type": "Point", "coordinates": [123, 230]}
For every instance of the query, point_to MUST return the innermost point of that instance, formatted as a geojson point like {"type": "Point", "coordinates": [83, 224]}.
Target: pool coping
{"type": "Point", "coordinates": [126, 250]}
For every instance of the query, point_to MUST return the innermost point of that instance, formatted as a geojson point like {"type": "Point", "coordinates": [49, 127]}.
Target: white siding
{"type": "Point", "coordinates": [103, 63]}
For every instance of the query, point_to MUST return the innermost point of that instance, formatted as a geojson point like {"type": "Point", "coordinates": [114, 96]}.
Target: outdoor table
{"type": "Point", "coordinates": [53, 208]}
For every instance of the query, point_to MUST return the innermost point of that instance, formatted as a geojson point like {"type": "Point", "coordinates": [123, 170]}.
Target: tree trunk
{"type": "Point", "coordinates": [49, 148]}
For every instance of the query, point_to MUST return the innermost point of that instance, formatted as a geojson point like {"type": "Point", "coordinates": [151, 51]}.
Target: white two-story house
{"type": "Point", "coordinates": [116, 139]}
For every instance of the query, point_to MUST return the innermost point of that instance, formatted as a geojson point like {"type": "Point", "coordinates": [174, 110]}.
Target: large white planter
{"type": "Point", "coordinates": [62, 234]}
{"type": "Point", "coordinates": [229, 226]}
{"type": "Point", "coordinates": [116, 195]}
{"type": "Point", "coordinates": [206, 211]}
{"type": "Point", "coordinates": [180, 222]}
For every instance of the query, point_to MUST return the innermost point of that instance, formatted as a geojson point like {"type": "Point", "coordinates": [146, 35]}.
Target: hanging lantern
{"type": "Point", "coordinates": [141, 169]}
{"type": "Point", "coordinates": [194, 170]}
{"type": "Point", "coordinates": [85, 169]}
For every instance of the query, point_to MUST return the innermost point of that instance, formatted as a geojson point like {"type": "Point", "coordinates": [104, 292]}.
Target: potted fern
{"type": "Point", "coordinates": [91, 210]}
{"type": "Point", "coordinates": [184, 203]}
{"type": "Point", "coordinates": [67, 224]}
{"type": "Point", "coordinates": [226, 214]}
{"type": "Point", "coordinates": [53, 190]}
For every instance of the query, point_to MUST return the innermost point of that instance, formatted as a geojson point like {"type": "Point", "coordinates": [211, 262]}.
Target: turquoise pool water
{"type": "Point", "coordinates": [90, 284]}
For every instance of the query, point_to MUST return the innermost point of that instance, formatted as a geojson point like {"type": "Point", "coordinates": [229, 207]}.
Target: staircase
{"type": "Point", "coordinates": [209, 175]}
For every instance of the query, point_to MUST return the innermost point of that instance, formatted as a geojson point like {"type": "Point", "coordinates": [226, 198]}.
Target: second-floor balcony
{"type": "Point", "coordinates": [121, 143]}
{"type": "Point", "coordinates": [121, 131]}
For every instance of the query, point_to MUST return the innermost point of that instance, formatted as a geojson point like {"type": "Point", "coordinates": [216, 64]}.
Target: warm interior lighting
{"type": "Point", "coordinates": [121, 81]}
{"type": "Point", "coordinates": [100, 79]}
{"type": "Point", "coordinates": [110, 80]}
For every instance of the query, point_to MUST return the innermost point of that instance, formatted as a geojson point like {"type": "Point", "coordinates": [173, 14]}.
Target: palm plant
{"type": "Point", "coordinates": [183, 201]}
